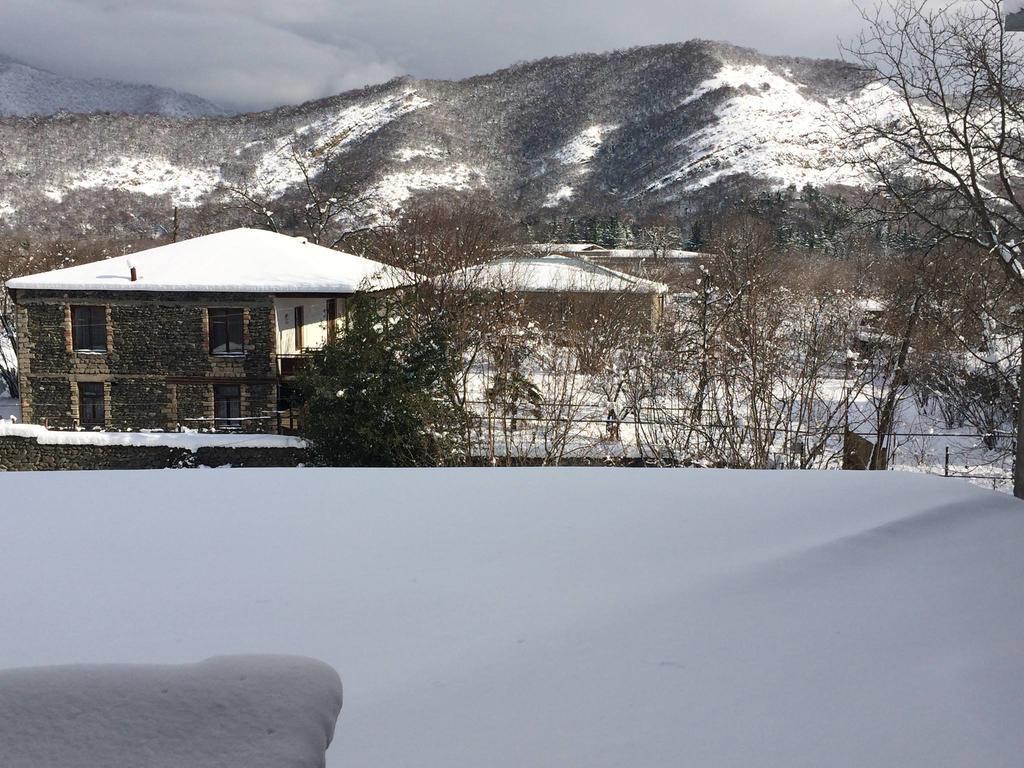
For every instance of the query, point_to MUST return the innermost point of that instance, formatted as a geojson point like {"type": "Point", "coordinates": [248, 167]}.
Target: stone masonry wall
{"type": "Point", "coordinates": [193, 401]}
{"type": "Point", "coordinates": [158, 371]}
{"type": "Point", "coordinates": [18, 454]}
{"type": "Point", "coordinates": [159, 338]}
{"type": "Point", "coordinates": [48, 345]}
{"type": "Point", "coordinates": [51, 401]}
{"type": "Point", "coordinates": [139, 403]}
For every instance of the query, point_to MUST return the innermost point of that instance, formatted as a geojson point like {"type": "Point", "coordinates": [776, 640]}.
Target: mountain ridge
{"type": "Point", "coordinates": [27, 91]}
{"type": "Point", "coordinates": [646, 128]}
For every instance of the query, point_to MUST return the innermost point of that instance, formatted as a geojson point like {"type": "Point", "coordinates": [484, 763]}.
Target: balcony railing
{"type": "Point", "coordinates": [290, 365]}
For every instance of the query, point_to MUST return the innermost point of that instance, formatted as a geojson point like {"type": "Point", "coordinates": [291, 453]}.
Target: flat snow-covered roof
{"type": "Point", "coordinates": [669, 254]}
{"type": "Point", "coordinates": [563, 247]}
{"type": "Point", "coordinates": [236, 261]}
{"type": "Point", "coordinates": [590, 250]}
{"type": "Point", "coordinates": [556, 273]}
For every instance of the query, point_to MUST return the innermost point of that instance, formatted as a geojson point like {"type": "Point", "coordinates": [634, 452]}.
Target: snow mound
{"type": "Point", "coordinates": [228, 712]}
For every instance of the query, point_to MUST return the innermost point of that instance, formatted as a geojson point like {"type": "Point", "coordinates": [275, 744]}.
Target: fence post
{"type": "Point", "coordinates": [945, 469]}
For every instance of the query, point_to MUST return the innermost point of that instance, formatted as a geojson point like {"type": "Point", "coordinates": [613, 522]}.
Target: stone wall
{"type": "Point", "coordinates": [158, 371]}
{"type": "Point", "coordinates": [19, 454]}
{"type": "Point", "coordinates": [47, 334]}
{"type": "Point", "coordinates": [138, 403]}
{"type": "Point", "coordinates": [51, 401]}
{"type": "Point", "coordinates": [159, 337]}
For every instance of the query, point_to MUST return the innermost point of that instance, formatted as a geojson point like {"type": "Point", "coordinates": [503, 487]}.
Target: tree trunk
{"type": "Point", "coordinates": [887, 415]}
{"type": "Point", "coordinates": [1018, 464]}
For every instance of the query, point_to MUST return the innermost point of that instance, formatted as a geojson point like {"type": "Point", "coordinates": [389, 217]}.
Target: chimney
{"type": "Point", "coordinates": [133, 271]}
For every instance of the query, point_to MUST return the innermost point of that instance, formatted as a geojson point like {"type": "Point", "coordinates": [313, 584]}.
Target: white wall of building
{"type": "Point", "coordinates": [314, 326]}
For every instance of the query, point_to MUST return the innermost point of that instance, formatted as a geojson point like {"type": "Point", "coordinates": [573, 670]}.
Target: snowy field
{"type": "Point", "coordinates": [564, 617]}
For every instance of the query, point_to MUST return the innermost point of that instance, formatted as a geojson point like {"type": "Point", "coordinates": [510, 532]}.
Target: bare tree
{"type": "Point", "coordinates": [23, 256]}
{"type": "Point", "coordinates": [944, 139]}
{"type": "Point", "coordinates": [332, 204]}
{"type": "Point", "coordinates": [444, 245]}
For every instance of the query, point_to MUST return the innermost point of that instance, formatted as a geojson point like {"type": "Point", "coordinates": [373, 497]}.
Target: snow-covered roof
{"type": "Point", "coordinates": [597, 251]}
{"type": "Point", "coordinates": [563, 247]}
{"type": "Point", "coordinates": [556, 273]}
{"type": "Point", "coordinates": [228, 712]}
{"type": "Point", "coordinates": [671, 254]}
{"type": "Point", "coordinates": [237, 261]}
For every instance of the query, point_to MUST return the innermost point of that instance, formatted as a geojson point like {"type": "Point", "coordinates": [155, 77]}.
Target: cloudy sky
{"type": "Point", "coordinates": [251, 54]}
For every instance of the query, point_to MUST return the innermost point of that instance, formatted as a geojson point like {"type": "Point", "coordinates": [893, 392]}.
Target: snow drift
{"type": "Point", "coordinates": [555, 617]}
{"type": "Point", "coordinates": [249, 712]}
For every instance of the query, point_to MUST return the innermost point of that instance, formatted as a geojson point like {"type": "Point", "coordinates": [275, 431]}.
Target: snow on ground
{"type": "Point", "coordinates": [408, 154]}
{"type": "Point", "coordinates": [577, 154]}
{"type": "Point", "coordinates": [395, 188]}
{"type": "Point", "coordinates": [770, 129]}
{"type": "Point", "coordinates": [152, 176]}
{"type": "Point", "coordinates": [583, 148]}
{"type": "Point", "coordinates": [559, 196]}
{"type": "Point", "coordinates": [277, 170]}
{"type": "Point", "coordinates": [228, 712]}
{"type": "Point", "coordinates": [922, 441]}
{"type": "Point", "coordinates": [555, 617]}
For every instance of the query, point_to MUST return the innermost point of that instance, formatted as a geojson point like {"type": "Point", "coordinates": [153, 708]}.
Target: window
{"type": "Point", "coordinates": [89, 329]}
{"type": "Point", "coordinates": [91, 412]}
{"type": "Point", "coordinates": [226, 332]}
{"type": "Point", "coordinates": [300, 320]}
{"type": "Point", "coordinates": [332, 319]}
{"type": "Point", "coordinates": [227, 406]}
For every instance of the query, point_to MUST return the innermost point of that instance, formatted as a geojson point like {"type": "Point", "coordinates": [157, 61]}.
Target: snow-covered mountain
{"type": "Point", "coordinates": [650, 127]}
{"type": "Point", "coordinates": [25, 91]}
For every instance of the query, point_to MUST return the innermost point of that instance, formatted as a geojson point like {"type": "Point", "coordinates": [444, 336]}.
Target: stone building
{"type": "Point", "coordinates": [203, 333]}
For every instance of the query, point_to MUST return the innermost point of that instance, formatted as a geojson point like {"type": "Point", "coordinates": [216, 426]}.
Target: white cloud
{"type": "Point", "coordinates": [225, 51]}
{"type": "Point", "coordinates": [260, 53]}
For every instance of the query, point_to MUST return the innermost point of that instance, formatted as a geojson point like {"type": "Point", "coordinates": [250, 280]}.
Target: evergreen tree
{"type": "Point", "coordinates": [697, 239]}
{"type": "Point", "coordinates": [374, 396]}
{"type": "Point", "coordinates": [573, 234]}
